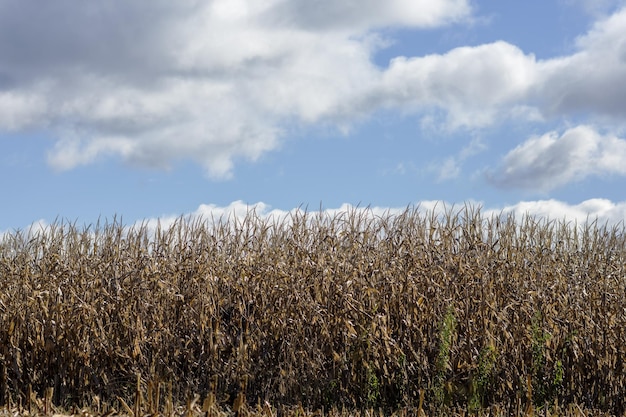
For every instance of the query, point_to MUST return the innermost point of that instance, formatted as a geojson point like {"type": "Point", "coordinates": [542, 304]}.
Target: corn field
{"type": "Point", "coordinates": [412, 311]}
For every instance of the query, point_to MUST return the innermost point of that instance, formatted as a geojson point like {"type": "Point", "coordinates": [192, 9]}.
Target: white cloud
{"type": "Point", "coordinates": [20, 110]}
{"type": "Point", "coordinates": [590, 80]}
{"type": "Point", "coordinates": [472, 83]}
{"type": "Point", "coordinates": [549, 161]}
{"type": "Point", "coordinates": [480, 85]}
{"type": "Point", "coordinates": [366, 14]}
{"type": "Point", "coordinates": [156, 81]}
{"type": "Point", "coordinates": [237, 210]}
{"type": "Point", "coordinates": [153, 82]}
{"type": "Point", "coordinates": [37, 227]}
{"type": "Point", "coordinates": [602, 210]}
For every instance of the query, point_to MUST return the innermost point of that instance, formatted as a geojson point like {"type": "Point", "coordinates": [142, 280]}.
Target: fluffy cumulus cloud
{"type": "Point", "coordinates": [473, 84]}
{"type": "Point", "coordinates": [552, 160]}
{"type": "Point", "coordinates": [590, 80]}
{"type": "Point", "coordinates": [598, 210]}
{"type": "Point", "coordinates": [481, 84]}
{"type": "Point", "coordinates": [157, 81]}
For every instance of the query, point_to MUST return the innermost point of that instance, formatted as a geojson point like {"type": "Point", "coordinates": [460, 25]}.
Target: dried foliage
{"type": "Point", "coordinates": [451, 311]}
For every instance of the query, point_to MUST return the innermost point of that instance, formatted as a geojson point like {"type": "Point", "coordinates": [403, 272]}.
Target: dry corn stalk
{"type": "Point", "coordinates": [343, 310]}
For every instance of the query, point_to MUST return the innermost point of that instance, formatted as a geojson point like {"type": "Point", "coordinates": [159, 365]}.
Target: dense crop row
{"type": "Point", "coordinates": [356, 310]}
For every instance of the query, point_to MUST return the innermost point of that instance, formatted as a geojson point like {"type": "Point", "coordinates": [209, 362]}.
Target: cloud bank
{"type": "Point", "coordinates": [154, 82]}
{"type": "Point", "coordinates": [600, 210]}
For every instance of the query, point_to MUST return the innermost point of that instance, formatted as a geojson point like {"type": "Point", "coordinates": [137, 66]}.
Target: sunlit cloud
{"type": "Point", "coordinates": [221, 83]}
{"type": "Point", "coordinates": [549, 161]}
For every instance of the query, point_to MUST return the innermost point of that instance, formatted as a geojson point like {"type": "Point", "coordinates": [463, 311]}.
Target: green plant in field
{"type": "Point", "coordinates": [446, 336]}
{"type": "Point", "coordinates": [545, 386]}
{"type": "Point", "coordinates": [372, 396]}
{"type": "Point", "coordinates": [538, 343]}
{"type": "Point", "coordinates": [480, 383]}
{"type": "Point", "coordinates": [559, 373]}
{"type": "Point", "coordinates": [400, 382]}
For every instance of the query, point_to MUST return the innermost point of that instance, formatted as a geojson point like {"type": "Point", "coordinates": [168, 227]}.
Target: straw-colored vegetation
{"type": "Point", "coordinates": [408, 314]}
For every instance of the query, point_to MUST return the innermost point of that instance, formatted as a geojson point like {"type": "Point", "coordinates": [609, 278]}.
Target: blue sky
{"type": "Point", "coordinates": [147, 109]}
